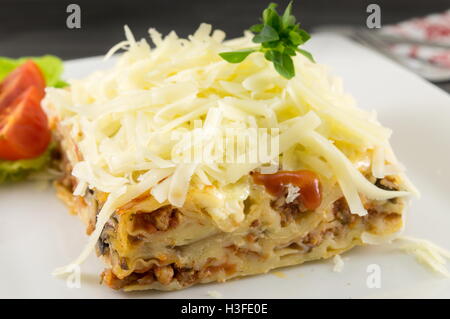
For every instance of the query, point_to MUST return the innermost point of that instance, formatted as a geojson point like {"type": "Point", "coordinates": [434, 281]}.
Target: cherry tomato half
{"type": "Point", "coordinates": [18, 81]}
{"type": "Point", "coordinates": [24, 131]}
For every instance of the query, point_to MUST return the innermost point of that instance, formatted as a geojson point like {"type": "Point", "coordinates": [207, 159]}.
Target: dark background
{"type": "Point", "coordinates": [38, 27]}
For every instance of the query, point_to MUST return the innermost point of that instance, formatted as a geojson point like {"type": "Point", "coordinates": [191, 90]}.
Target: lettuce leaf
{"type": "Point", "coordinates": [13, 171]}
{"type": "Point", "coordinates": [52, 68]}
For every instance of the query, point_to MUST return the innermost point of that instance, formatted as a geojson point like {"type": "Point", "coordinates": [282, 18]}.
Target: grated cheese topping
{"type": "Point", "coordinates": [124, 121]}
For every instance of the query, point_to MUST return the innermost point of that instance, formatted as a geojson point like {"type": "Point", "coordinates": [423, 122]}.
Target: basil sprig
{"type": "Point", "coordinates": [279, 38]}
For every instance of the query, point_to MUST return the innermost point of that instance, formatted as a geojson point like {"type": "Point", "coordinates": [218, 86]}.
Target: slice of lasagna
{"type": "Point", "coordinates": [187, 169]}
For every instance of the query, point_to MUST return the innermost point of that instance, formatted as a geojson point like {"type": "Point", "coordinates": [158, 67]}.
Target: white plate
{"type": "Point", "coordinates": [37, 234]}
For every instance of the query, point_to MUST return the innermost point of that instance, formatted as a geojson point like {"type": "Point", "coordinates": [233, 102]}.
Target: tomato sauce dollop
{"type": "Point", "coordinates": [307, 181]}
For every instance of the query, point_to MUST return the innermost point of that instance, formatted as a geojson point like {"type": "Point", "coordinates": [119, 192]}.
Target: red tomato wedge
{"type": "Point", "coordinates": [19, 80]}
{"type": "Point", "coordinates": [24, 131]}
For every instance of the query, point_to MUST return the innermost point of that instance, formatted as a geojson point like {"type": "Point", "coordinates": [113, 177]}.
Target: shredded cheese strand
{"type": "Point", "coordinates": [426, 252]}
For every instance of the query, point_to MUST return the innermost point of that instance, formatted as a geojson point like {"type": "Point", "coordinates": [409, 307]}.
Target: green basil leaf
{"type": "Point", "coordinates": [305, 35]}
{"type": "Point", "coordinates": [236, 56]}
{"type": "Point", "coordinates": [284, 65]}
{"type": "Point", "coordinates": [269, 11]}
{"type": "Point", "coordinates": [295, 38]}
{"type": "Point", "coordinates": [267, 34]}
{"type": "Point", "coordinates": [269, 55]}
{"type": "Point", "coordinates": [272, 45]}
{"type": "Point", "coordinates": [290, 51]}
{"type": "Point", "coordinates": [306, 54]}
{"type": "Point", "coordinates": [288, 19]}
{"type": "Point", "coordinates": [271, 17]}
{"type": "Point", "coordinates": [256, 28]}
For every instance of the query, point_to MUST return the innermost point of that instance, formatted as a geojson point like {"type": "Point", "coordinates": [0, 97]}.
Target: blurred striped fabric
{"type": "Point", "coordinates": [435, 27]}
